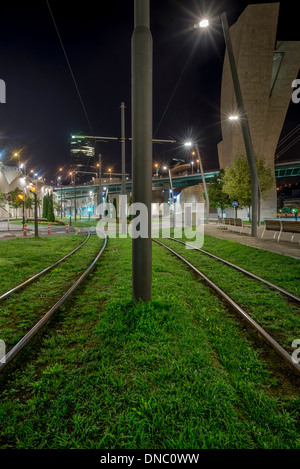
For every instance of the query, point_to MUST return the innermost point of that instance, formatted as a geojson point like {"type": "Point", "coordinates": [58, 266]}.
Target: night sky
{"type": "Point", "coordinates": [43, 107]}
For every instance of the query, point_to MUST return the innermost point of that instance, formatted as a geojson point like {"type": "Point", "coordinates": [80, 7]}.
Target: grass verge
{"type": "Point", "coordinates": [177, 372]}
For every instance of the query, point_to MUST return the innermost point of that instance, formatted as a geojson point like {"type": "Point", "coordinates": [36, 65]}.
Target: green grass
{"type": "Point", "coordinates": [21, 259]}
{"type": "Point", "coordinates": [268, 307]}
{"type": "Point", "coordinates": [178, 372]}
{"type": "Point", "coordinates": [22, 309]}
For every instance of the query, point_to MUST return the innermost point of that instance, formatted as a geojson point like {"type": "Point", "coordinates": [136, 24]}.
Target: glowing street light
{"type": "Point", "coordinates": [233, 118]}
{"type": "Point", "coordinates": [255, 188]}
{"type": "Point", "coordinates": [190, 144]}
{"type": "Point", "coordinates": [204, 23]}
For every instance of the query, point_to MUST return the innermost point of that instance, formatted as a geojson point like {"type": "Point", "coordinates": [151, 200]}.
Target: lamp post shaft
{"type": "Point", "coordinates": [204, 183]}
{"type": "Point", "coordinates": [244, 125]}
{"type": "Point", "coordinates": [36, 227]}
{"type": "Point", "coordinates": [142, 145]}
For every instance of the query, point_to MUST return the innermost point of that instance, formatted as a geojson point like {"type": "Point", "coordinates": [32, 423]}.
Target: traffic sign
{"type": "Point", "coordinates": [234, 204]}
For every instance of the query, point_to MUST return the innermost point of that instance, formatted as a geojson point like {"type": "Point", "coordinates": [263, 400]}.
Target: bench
{"type": "Point", "coordinates": [282, 226]}
{"type": "Point", "coordinates": [227, 222]}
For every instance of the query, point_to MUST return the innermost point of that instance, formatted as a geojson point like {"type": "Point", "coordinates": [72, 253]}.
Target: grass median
{"type": "Point", "coordinates": [177, 372]}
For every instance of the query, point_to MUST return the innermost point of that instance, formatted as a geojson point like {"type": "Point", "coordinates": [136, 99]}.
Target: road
{"type": "Point", "coordinates": [17, 230]}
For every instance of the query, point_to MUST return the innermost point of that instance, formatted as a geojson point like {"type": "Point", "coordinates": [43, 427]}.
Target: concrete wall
{"type": "Point", "coordinates": [254, 39]}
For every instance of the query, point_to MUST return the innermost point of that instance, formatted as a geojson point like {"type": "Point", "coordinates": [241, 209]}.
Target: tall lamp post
{"type": "Point", "coordinates": [190, 144]}
{"type": "Point", "coordinates": [141, 83]}
{"type": "Point", "coordinates": [255, 190]}
{"type": "Point", "coordinates": [36, 229]}
{"type": "Point", "coordinates": [61, 203]}
{"type": "Point", "coordinates": [21, 197]}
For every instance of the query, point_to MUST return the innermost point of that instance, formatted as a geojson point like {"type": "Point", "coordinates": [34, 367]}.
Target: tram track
{"type": "Point", "coordinates": [240, 269]}
{"type": "Point", "coordinates": [241, 312]}
{"type": "Point", "coordinates": [16, 349]}
{"type": "Point", "coordinates": [44, 271]}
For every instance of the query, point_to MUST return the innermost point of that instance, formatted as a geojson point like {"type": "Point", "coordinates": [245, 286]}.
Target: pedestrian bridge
{"type": "Point", "coordinates": [161, 183]}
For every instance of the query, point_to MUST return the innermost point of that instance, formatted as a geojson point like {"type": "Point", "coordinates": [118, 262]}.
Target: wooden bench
{"type": "Point", "coordinates": [282, 226]}
{"type": "Point", "coordinates": [289, 226]}
{"type": "Point", "coordinates": [227, 222]}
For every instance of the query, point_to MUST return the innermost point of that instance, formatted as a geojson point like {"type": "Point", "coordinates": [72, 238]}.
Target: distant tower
{"type": "Point", "coordinates": [83, 158]}
{"type": "Point", "coordinates": [266, 77]}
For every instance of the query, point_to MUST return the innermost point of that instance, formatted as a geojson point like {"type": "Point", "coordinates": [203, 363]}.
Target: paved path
{"type": "Point", "coordinates": [16, 231]}
{"type": "Point", "coordinates": [284, 246]}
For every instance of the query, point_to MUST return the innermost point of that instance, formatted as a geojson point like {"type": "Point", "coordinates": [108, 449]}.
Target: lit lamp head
{"type": "Point", "coordinates": [204, 23]}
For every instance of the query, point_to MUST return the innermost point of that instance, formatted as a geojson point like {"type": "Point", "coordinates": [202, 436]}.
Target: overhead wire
{"type": "Point", "coordinates": [73, 77]}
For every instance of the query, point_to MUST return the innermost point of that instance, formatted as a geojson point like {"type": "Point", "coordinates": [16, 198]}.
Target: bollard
{"type": "Point", "coordinates": [25, 230]}
{"type": "Point", "coordinates": [48, 228]}
{"type": "Point", "coordinates": [67, 228]}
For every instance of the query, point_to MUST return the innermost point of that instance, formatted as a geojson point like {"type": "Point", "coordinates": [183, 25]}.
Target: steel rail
{"type": "Point", "coordinates": [44, 320]}
{"type": "Point", "coordinates": [36, 276]}
{"type": "Point", "coordinates": [266, 337]}
{"type": "Point", "coordinates": [240, 269]}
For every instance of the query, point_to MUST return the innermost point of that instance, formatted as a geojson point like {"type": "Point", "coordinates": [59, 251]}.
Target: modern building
{"type": "Point", "coordinates": [83, 158]}
{"type": "Point", "coordinates": [12, 178]}
{"type": "Point", "coordinates": [266, 70]}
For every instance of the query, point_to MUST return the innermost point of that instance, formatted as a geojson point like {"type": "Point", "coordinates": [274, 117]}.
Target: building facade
{"type": "Point", "coordinates": [83, 158]}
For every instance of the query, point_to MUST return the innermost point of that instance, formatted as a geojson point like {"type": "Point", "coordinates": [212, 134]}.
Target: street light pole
{"type": "Point", "coordinates": [245, 127]}
{"type": "Point", "coordinates": [123, 147]}
{"type": "Point", "coordinates": [100, 188]}
{"type": "Point", "coordinates": [142, 145]}
{"type": "Point", "coordinates": [203, 181]}
{"type": "Point", "coordinates": [75, 206]}
{"type": "Point", "coordinates": [123, 200]}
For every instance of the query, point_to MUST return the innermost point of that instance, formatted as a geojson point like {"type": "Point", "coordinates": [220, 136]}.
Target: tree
{"type": "Point", "coordinates": [237, 181]}
{"type": "Point", "coordinates": [217, 197]}
{"type": "Point", "coordinates": [50, 211]}
{"type": "Point", "coordinates": [29, 202]}
{"type": "Point", "coordinates": [115, 205]}
{"type": "Point", "coordinates": [56, 206]}
{"type": "Point", "coordinates": [15, 202]}
{"type": "Point", "coordinates": [45, 206]}
{"type": "Point", "coordinates": [3, 200]}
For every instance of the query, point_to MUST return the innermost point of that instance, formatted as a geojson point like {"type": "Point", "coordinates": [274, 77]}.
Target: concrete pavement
{"type": "Point", "coordinates": [16, 231]}
{"type": "Point", "coordinates": [284, 246]}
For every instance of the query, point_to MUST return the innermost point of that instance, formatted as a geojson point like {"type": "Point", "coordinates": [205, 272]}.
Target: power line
{"type": "Point", "coordinates": [70, 68]}
{"type": "Point", "coordinates": [290, 134]}
{"type": "Point", "coordinates": [74, 80]}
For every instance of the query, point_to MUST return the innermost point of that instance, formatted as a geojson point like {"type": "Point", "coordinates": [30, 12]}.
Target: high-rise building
{"type": "Point", "coordinates": [83, 158]}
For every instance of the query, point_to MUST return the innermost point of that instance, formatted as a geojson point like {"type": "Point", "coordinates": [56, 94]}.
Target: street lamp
{"type": "Point", "coordinates": [61, 206]}
{"type": "Point", "coordinates": [21, 197]}
{"type": "Point", "coordinates": [109, 174]}
{"type": "Point", "coordinates": [17, 155]}
{"type": "Point", "coordinates": [204, 23]}
{"type": "Point", "coordinates": [189, 145]}
{"type": "Point", "coordinates": [33, 191]}
{"type": "Point", "coordinates": [255, 189]}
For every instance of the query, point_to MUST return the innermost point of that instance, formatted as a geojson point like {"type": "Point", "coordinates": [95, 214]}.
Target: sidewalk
{"type": "Point", "coordinates": [16, 231]}
{"type": "Point", "coordinates": [284, 246]}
